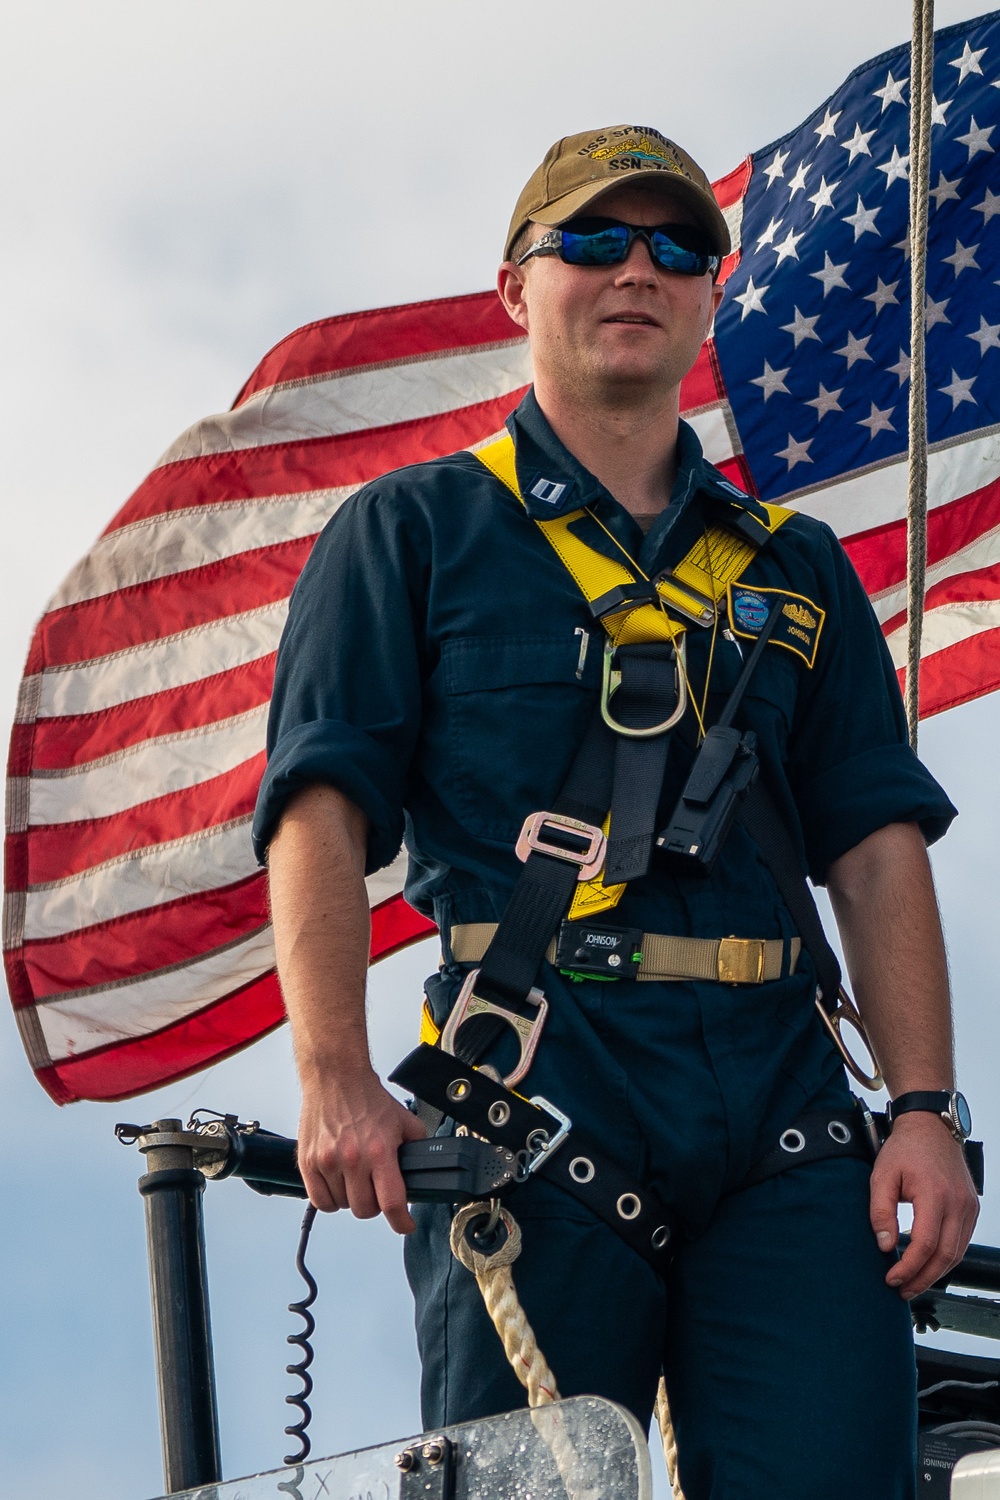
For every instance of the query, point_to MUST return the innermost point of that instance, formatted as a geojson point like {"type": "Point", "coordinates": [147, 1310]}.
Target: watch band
{"type": "Point", "coordinates": [947, 1103]}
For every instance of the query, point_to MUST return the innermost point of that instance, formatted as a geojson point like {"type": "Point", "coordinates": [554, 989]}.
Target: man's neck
{"type": "Point", "coordinates": [631, 449]}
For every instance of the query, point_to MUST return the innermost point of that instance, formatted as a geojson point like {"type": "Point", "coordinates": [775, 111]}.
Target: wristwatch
{"type": "Point", "coordinates": [948, 1103]}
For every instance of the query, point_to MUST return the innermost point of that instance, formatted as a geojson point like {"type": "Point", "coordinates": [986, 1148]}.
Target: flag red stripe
{"type": "Point", "coordinates": [959, 673]}
{"type": "Point", "coordinates": [163, 606]}
{"type": "Point", "coordinates": [313, 463]}
{"type": "Point", "coordinates": [56, 850]}
{"type": "Point", "coordinates": [137, 944]}
{"type": "Point", "coordinates": [79, 738]}
{"type": "Point", "coordinates": [730, 189]}
{"type": "Point", "coordinates": [381, 334]}
{"type": "Point", "coordinates": [701, 386]}
{"type": "Point", "coordinates": [880, 554]}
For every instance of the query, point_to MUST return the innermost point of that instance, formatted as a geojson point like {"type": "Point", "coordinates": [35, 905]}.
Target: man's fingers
{"type": "Point", "coordinates": [325, 1189]}
{"type": "Point", "coordinates": [884, 1203]}
{"type": "Point", "coordinates": [391, 1190]}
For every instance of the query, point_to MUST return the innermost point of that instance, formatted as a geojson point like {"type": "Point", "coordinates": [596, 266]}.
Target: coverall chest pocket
{"type": "Point", "coordinates": [517, 707]}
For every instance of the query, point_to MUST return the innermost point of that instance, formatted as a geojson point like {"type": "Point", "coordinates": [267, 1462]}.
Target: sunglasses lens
{"type": "Point", "coordinates": [674, 257]}
{"type": "Point", "coordinates": [604, 246]}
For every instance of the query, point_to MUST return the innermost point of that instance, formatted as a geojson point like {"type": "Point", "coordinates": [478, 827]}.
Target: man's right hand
{"type": "Point", "coordinates": [349, 1138]}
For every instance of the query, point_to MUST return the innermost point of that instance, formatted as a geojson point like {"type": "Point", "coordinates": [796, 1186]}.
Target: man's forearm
{"type": "Point", "coordinates": [322, 930]}
{"type": "Point", "coordinates": [883, 897]}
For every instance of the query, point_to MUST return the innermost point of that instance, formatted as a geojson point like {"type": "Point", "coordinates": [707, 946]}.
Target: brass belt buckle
{"type": "Point", "coordinates": [741, 960]}
{"type": "Point", "coordinates": [846, 1011]}
{"type": "Point", "coordinates": [527, 1028]}
{"type": "Point", "coordinates": [589, 859]}
{"type": "Point", "coordinates": [611, 681]}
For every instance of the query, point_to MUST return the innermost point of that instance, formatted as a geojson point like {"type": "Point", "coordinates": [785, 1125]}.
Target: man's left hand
{"type": "Point", "coordinates": [923, 1164]}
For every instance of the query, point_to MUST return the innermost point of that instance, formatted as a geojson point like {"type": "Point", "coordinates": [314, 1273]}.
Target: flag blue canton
{"type": "Point", "coordinates": [813, 333]}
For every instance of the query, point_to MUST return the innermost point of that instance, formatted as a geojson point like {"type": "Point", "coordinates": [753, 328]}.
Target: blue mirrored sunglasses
{"type": "Point", "coordinates": [608, 242]}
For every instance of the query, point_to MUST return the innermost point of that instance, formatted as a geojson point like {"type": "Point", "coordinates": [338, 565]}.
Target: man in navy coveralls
{"type": "Point", "coordinates": [432, 686]}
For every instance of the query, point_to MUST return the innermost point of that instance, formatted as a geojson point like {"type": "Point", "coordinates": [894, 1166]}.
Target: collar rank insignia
{"type": "Point", "coordinates": [798, 628]}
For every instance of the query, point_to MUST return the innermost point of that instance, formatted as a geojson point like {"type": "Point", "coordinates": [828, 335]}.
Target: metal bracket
{"type": "Point", "coordinates": [428, 1470]}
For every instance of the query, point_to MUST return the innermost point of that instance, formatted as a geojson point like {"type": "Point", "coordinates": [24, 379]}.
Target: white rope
{"type": "Point", "coordinates": [921, 96]}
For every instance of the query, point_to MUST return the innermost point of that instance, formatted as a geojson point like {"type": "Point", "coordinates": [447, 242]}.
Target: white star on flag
{"type": "Point", "coordinates": [776, 166]}
{"type": "Point", "coordinates": [826, 401]}
{"type": "Point", "coordinates": [963, 258]}
{"type": "Point", "coordinates": [937, 110]}
{"type": "Point", "coordinates": [858, 144]}
{"type": "Point", "coordinates": [968, 62]}
{"type": "Point", "coordinates": [988, 336]}
{"type": "Point", "coordinates": [796, 452]}
{"type": "Point", "coordinates": [959, 390]}
{"type": "Point", "coordinates": [752, 300]}
{"type": "Point", "coordinates": [975, 138]}
{"type": "Point", "coordinates": [831, 275]}
{"type": "Point", "coordinates": [786, 247]}
{"type": "Point", "coordinates": [863, 220]}
{"type": "Point", "coordinates": [904, 245]}
{"type": "Point", "coordinates": [883, 295]}
{"type": "Point", "coordinates": [896, 169]}
{"type": "Point", "coordinates": [797, 183]}
{"type": "Point", "coordinates": [823, 197]}
{"type": "Point", "coordinates": [934, 312]}
{"type": "Point", "coordinates": [877, 421]}
{"type": "Point", "coordinates": [902, 367]}
{"type": "Point", "coordinates": [854, 349]}
{"type": "Point", "coordinates": [825, 127]}
{"type": "Point", "coordinates": [801, 328]}
{"type": "Point", "coordinates": [767, 237]}
{"type": "Point", "coordinates": [771, 381]}
{"type": "Point", "coordinates": [892, 93]}
{"type": "Point", "coordinates": [989, 206]}
{"type": "Point", "coordinates": [947, 188]}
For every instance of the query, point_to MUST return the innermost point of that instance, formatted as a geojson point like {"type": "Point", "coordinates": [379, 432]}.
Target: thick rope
{"type": "Point", "coordinates": [496, 1283]}
{"type": "Point", "coordinates": [921, 96]}
{"type": "Point", "coordinates": [669, 1437]}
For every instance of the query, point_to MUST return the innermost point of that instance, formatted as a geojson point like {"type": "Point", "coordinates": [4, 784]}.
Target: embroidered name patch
{"type": "Point", "coordinates": [799, 625]}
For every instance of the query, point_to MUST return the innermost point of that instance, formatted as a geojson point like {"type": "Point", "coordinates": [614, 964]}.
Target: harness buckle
{"type": "Point", "coordinates": [528, 1029]}
{"type": "Point", "coordinates": [598, 950]}
{"type": "Point", "coordinates": [741, 960]}
{"type": "Point", "coordinates": [845, 1012]}
{"type": "Point", "coordinates": [611, 681]}
{"type": "Point", "coordinates": [590, 858]}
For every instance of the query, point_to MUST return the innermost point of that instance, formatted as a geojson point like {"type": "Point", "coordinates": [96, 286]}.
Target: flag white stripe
{"type": "Point", "coordinates": [377, 396]}
{"type": "Point", "coordinates": [203, 861]}
{"type": "Point", "coordinates": [878, 496]}
{"type": "Point", "coordinates": [176, 541]}
{"type": "Point", "coordinates": [947, 625]}
{"type": "Point", "coordinates": [172, 661]}
{"type": "Point", "coordinates": [95, 1017]}
{"type": "Point", "coordinates": [714, 432]}
{"type": "Point", "coordinates": [152, 768]}
{"type": "Point", "coordinates": [984, 552]}
{"type": "Point", "coordinates": [387, 882]}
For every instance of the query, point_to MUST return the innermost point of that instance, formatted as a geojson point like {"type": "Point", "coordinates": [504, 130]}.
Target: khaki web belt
{"type": "Point", "coordinates": [724, 960]}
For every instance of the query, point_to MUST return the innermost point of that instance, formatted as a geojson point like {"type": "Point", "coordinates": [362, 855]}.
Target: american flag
{"type": "Point", "coordinates": [136, 932]}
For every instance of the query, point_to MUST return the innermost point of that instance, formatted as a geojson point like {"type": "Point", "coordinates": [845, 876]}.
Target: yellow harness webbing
{"type": "Point", "coordinates": [694, 588]}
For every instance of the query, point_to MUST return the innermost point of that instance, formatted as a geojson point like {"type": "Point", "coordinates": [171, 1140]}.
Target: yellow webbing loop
{"type": "Point", "coordinates": [715, 561]}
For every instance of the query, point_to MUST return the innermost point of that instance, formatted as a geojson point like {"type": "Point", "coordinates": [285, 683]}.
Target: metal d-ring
{"type": "Point", "coordinates": [611, 681]}
{"type": "Point", "coordinates": [846, 1011]}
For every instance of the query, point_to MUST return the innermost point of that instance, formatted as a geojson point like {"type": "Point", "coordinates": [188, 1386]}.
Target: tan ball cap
{"type": "Point", "coordinates": [579, 168]}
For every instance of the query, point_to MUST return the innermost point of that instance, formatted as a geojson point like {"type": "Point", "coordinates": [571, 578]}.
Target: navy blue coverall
{"type": "Point", "coordinates": [433, 670]}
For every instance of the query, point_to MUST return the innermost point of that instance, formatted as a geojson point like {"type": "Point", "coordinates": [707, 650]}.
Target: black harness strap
{"type": "Point", "coordinates": [578, 1165]}
{"type": "Point", "coordinates": [647, 697]}
{"type": "Point", "coordinates": [815, 1136]}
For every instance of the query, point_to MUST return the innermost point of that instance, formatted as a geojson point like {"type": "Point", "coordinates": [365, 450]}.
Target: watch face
{"type": "Point", "coordinates": [962, 1114]}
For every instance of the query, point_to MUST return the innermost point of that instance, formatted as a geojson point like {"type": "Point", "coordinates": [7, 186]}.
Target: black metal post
{"type": "Point", "coordinates": [189, 1424]}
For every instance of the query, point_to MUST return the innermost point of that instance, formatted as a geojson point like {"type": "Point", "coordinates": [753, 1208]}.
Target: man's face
{"type": "Point", "coordinates": [620, 333]}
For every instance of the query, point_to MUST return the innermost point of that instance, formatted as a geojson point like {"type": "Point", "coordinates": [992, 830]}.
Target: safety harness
{"type": "Point", "coordinates": [579, 855]}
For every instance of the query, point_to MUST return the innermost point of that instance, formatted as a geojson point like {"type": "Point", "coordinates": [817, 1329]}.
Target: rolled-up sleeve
{"type": "Point", "coordinates": [347, 690]}
{"type": "Point", "coordinates": [850, 765]}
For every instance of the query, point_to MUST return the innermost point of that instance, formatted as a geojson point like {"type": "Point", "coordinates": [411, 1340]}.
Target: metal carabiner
{"type": "Point", "coordinates": [528, 1029]}
{"type": "Point", "coordinates": [846, 1011]}
{"type": "Point", "coordinates": [611, 681]}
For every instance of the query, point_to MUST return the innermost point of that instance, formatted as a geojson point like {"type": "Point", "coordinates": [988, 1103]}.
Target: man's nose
{"type": "Point", "coordinates": [638, 265]}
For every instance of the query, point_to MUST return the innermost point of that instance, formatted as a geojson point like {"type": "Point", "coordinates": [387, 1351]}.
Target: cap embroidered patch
{"type": "Point", "coordinates": [798, 628]}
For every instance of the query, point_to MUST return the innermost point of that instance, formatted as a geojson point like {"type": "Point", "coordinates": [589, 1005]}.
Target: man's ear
{"type": "Point", "coordinates": [510, 288]}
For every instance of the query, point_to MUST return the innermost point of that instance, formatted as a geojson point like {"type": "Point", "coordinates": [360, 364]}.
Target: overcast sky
{"type": "Point", "coordinates": [182, 185]}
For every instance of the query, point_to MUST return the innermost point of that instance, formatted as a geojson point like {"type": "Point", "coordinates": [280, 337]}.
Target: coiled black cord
{"type": "Point", "coordinates": [302, 1341]}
